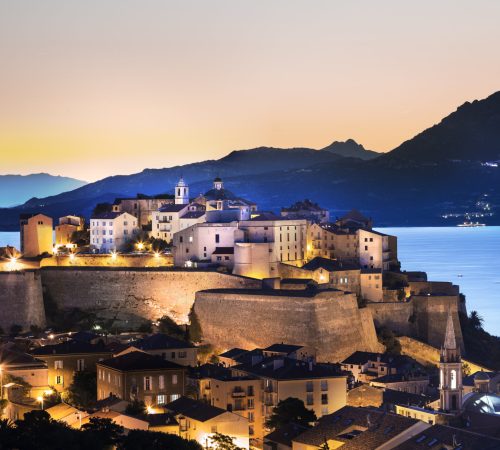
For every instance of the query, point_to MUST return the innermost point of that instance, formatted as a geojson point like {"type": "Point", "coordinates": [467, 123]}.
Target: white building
{"type": "Point", "coordinates": [198, 242]}
{"type": "Point", "coordinates": [376, 250]}
{"type": "Point", "coordinates": [259, 244]}
{"type": "Point", "coordinates": [171, 218]}
{"type": "Point", "coordinates": [111, 231]}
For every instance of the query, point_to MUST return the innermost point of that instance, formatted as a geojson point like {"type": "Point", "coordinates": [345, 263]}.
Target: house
{"type": "Point", "coordinates": [298, 352]}
{"type": "Point", "coordinates": [121, 419]}
{"type": "Point", "coordinates": [112, 231]}
{"type": "Point", "coordinates": [142, 207]}
{"type": "Point", "coordinates": [64, 231]}
{"type": "Point", "coordinates": [68, 414]}
{"type": "Point", "coordinates": [65, 359]}
{"type": "Point", "coordinates": [197, 243]}
{"type": "Point", "coordinates": [322, 387]}
{"type": "Point", "coordinates": [367, 366]}
{"type": "Point", "coordinates": [163, 422]}
{"type": "Point", "coordinates": [166, 347]}
{"type": "Point", "coordinates": [308, 210]}
{"type": "Point", "coordinates": [140, 376]}
{"type": "Point", "coordinates": [220, 387]}
{"type": "Point", "coordinates": [199, 421]}
{"type": "Point", "coordinates": [416, 383]}
{"type": "Point", "coordinates": [352, 428]}
{"type": "Point", "coordinates": [22, 365]}
{"type": "Point", "coordinates": [171, 218]}
{"type": "Point", "coordinates": [36, 235]}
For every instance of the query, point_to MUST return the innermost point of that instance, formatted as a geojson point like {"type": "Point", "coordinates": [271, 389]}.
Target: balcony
{"type": "Point", "coordinates": [238, 393]}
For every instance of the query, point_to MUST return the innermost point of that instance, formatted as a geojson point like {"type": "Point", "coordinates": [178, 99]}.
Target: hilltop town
{"type": "Point", "coordinates": [203, 322]}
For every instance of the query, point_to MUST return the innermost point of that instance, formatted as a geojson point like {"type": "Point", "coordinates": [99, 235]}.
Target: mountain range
{"type": "Point", "coordinates": [17, 189]}
{"type": "Point", "coordinates": [449, 168]}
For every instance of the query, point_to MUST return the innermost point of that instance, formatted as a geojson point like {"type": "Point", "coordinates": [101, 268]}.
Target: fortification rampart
{"type": "Point", "coordinates": [329, 321]}
{"type": "Point", "coordinates": [21, 301]}
{"type": "Point", "coordinates": [423, 317]}
{"type": "Point", "coordinates": [131, 295]}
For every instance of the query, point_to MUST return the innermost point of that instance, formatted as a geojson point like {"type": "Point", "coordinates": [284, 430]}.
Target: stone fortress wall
{"type": "Point", "coordinates": [129, 296]}
{"type": "Point", "coordinates": [329, 321]}
{"type": "Point", "coordinates": [134, 294]}
{"type": "Point", "coordinates": [21, 301]}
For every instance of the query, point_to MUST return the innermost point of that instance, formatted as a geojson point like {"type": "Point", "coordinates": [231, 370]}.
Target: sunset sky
{"type": "Point", "coordinates": [101, 87]}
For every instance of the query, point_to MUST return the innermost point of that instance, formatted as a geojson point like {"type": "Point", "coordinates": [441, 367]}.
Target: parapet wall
{"type": "Point", "coordinates": [330, 321]}
{"type": "Point", "coordinates": [101, 260]}
{"type": "Point", "coordinates": [21, 301]}
{"type": "Point", "coordinates": [134, 294]}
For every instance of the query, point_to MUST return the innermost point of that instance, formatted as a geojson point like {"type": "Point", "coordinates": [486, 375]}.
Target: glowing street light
{"type": "Point", "coordinates": [71, 256]}
{"type": "Point", "coordinates": [113, 256]}
{"type": "Point", "coordinates": [140, 246]}
{"type": "Point", "coordinates": [40, 400]}
{"type": "Point", "coordinates": [157, 255]}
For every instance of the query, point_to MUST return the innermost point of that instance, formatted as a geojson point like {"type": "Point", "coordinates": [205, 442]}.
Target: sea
{"type": "Point", "coordinates": [469, 257]}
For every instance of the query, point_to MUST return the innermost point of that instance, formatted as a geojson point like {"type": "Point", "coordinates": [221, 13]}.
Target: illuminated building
{"type": "Point", "coordinates": [36, 234]}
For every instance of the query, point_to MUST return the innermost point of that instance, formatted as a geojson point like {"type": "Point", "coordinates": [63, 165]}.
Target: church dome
{"type": "Point", "coordinates": [481, 376]}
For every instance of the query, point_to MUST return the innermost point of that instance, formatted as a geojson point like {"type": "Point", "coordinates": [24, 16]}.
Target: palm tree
{"type": "Point", "coordinates": [475, 320]}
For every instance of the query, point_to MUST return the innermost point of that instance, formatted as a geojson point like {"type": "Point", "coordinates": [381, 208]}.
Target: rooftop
{"type": "Point", "coordinates": [69, 348]}
{"type": "Point", "coordinates": [330, 265]}
{"type": "Point", "coordinates": [286, 434]}
{"type": "Point", "coordinates": [356, 428]}
{"type": "Point", "coordinates": [107, 215]}
{"type": "Point", "coordinates": [171, 207]}
{"type": "Point", "coordinates": [194, 409]}
{"type": "Point", "coordinates": [439, 436]}
{"type": "Point", "coordinates": [223, 251]}
{"type": "Point", "coordinates": [282, 368]}
{"type": "Point", "coordinates": [193, 214]}
{"type": "Point", "coordinates": [160, 341]}
{"type": "Point", "coordinates": [283, 348]}
{"type": "Point", "coordinates": [135, 361]}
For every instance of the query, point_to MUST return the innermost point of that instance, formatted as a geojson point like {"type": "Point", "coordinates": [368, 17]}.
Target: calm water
{"type": "Point", "coordinates": [444, 253]}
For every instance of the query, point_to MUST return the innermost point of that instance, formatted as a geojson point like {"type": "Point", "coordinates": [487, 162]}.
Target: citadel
{"type": "Point", "coordinates": [262, 277]}
{"type": "Point", "coordinates": [293, 305]}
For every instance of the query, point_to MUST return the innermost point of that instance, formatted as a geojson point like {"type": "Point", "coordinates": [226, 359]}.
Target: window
{"type": "Point", "coordinates": [250, 391]}
{"type": "Point", "coordinates": [324, 410]}
{"type": "Point", "coordinates": [58, 364]}
{"type": "Point", "coordinates": [125, 231]}
{"type": "Point", "coordinates": [174, 379]}
{"type": "Point", "coordinates": [182, 354]}
{"type": "Point", "coordinates": [324, 399]}
{"type": "Point", "coordinates": [324, 385]}
{"type": "Point", "coordinates": [251, 416]}
{"type": "Point", "coordinates": [181, 239]}
{"type": "Point", "coordinates": [310, 399]}
{"type": "Point", "coordinates": [161, 399]}
{"type": "Point", "coordinates": [309, 386]}
{"type": "Point", "coordinates": [366, 247]}
{"type": "Point", "coordinates": [80, 365]}
{"type": "Point", "coordinates": [219, 258]}
{"type": "Point", "coordinates": [453, 379]}
{"type": "Point", "coordinates": [161, 382]}
{"type": "Point", "coordinates": [226, 258]}
{"type": "Point", "coordinates": [217, 238]}
{"type": "Point", "coordinates": [250, 403]}
{"type": "Point", "coordinates": [174, 397]}
{"type": "Point", "coordinates": [147, 383]}
{"type": "Point", "coordinates": [59, 379]}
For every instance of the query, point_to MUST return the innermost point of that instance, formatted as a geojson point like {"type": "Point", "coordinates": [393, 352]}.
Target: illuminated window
{"type": "Point", "coordinates": [453, 379]}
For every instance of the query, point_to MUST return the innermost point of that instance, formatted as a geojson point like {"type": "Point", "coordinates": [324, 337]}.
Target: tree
{"type": "Point", "coordinates": [136, 408]}
{"type": "Point", "coordinates": [104, 431]}
{"type": "Point", "coordinates": [48, 434]}
{"type": "Point", "coordinates": [168, 326]}
{"type": "Point", "coordinates": [80, 237]}
{"type": "Point", "coordinates": [8, 434]}
{"type": "Point", "coordinates": [154, 440]}
{"type": "Point", "coordinates": [290, 410]}
{"type": "Point", "coordinates": [223, 442]}
{"type": "Point", "coordinates": [475, 320]}
{"type": "Point", "coordinates": [195, 334]}
{"type": "Point", "coordinates": [15, 329]}
{"type": "Point", "coordinates": [391, 343]}
{"type": "Point", "coordinates": [82, 391]}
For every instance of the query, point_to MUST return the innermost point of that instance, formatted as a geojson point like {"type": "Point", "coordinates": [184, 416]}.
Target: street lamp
{"type": "Point", "coordinates": [140, 246]}
{"type": "Point", "coordinates": [40, 400]}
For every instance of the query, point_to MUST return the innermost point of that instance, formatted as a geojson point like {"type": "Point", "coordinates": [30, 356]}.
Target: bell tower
{"type": "Point", "coordinates": [450, 371]}
{"type": "Point", "coordinates": [218, 184]}
{"type": "Point", "coordinates": [181, 192]}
